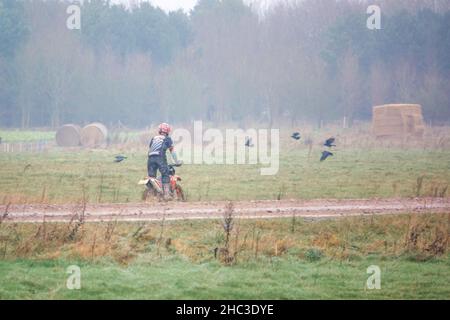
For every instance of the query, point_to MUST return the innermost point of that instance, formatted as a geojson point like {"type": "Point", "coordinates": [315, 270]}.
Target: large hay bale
{"type": "Point", "coordinates": [398, 121]}
{"type": "Point", "coordinates": [68, 136]}
{"type": "Point", "coordinates": [94, 135]}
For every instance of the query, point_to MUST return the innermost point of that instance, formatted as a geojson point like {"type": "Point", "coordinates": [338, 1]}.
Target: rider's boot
{"type": "Point", "coordinates": [166, 192]}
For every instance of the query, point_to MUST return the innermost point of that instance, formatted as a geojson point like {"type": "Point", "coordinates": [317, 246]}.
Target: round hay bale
{"type": "Point", "coordinates": [94, 135]}
{"type": "Point", "coordinates": [398, 121]}
{"type": "Point", "coordinates": [68, 136]}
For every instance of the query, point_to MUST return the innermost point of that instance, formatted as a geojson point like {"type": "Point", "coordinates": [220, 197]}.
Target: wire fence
{"type": "Point", "coordinates": [25, 146]}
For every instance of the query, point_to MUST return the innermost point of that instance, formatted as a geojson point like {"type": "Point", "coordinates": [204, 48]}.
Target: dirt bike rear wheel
{"type": "Point", "coordinates": [149, 193]}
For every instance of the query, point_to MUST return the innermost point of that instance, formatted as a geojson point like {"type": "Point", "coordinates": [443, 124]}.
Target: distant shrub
{"type": "Point", "coordinates": [313, 254]}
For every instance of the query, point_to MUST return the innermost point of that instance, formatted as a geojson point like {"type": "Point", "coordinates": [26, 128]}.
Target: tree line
{"type": "Point", "coordinates": [225, 61]}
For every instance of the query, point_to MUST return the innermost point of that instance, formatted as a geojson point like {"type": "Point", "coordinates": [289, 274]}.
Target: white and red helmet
{"type": "Point", "coordinates": [164, 128]}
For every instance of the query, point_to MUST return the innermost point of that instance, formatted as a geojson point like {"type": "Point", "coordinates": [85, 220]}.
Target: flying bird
{"type": "Point", "coordinates": [120, 158]}
{"type": "Point", "coordinates": [296, 136]}
{"type": "Point", "coordinates": [325, 155]}
{"type": "Point", "coordinates": [329, 142]}
{"type": "Point", "coordinates": [248, 142]}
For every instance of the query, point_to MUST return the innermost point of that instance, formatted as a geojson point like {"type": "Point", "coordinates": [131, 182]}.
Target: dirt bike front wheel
{"type": "Point", "coordinates": [179, 193]}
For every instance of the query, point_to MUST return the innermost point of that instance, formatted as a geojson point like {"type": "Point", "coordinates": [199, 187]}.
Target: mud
{"type": "Point", "coordinates": [314, 209]}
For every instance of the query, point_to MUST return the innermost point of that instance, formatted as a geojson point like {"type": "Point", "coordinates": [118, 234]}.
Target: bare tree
{"type": "Point", "coordinates": [350, 81]}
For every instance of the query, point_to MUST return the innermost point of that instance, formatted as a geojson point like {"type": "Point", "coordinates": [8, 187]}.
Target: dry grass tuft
{"type": "Point", "coordinates": [426, 238]}
{"type": "Point", "coordinates": [326, 240]}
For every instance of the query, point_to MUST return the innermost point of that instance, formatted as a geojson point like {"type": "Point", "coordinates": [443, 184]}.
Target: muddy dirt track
{"type": "Point", "coordinates": [314, 209]}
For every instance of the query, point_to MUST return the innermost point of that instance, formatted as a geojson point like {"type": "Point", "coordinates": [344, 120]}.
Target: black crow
{"type": "Point", "coordinates": [325, 155]}
{"type": "Point", "coordinates": [248, 142]}
{"type": "Point", "coordinates": [296, 136]}
{"type": "Point", "coordinates": [329, 143]}
{"type": "Point", "coordinates": [120, 158]}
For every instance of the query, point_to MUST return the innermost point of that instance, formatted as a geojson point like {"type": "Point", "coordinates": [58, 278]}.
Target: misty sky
{"type": "Point", "coordinates": [187, 5]}
{"type": "Point", "coordinates": [170, 5]}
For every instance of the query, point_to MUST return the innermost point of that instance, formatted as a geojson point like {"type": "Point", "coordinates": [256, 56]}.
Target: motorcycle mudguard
{"type": "Point", "coordinates": [144, 181]}
{"type": "Point", "coordinates": [156, 184]}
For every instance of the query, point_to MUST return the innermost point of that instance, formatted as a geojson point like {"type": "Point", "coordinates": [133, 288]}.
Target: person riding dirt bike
{"type": "Point", "coordinates": [157, 159]}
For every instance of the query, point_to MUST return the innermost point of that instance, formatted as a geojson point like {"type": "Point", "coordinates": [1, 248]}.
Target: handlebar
{"type": "Point", "coordinates": [176, 164]}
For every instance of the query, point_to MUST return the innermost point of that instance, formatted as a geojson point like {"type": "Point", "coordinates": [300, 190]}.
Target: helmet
{"type": "Point", "coordinates": [164, 128]}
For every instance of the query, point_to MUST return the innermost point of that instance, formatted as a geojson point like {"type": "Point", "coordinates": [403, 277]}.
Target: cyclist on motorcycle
{"type": "Point", "coordinates": [157, 159]}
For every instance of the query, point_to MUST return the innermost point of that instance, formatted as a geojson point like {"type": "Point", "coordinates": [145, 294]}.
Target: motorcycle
{"type": "Point", "coordinates": [154, 186]}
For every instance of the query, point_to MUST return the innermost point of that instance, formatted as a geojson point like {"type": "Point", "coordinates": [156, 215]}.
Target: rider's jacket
{"type": "Point", "coordinates": [159, 145]}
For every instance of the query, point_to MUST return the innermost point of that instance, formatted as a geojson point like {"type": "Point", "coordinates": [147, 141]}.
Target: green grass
{"type": "Point", "coordinates": [272, 259]}
{"type": "Point", "coordinates": [175, 278]}
{"type": "Point", "coordinates": [59, 176]}
{"type": "Point", "coordinates": [23, 135]}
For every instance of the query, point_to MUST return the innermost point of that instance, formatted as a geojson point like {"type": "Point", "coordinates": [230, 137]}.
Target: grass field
{"type": "Point", "coordinates": [362, 167]}
{"type": "Point", "coordinates": [270, 259]}
{"type": "Point", "coordinates": [23, 135]}
{"type": "Point", "coordinates": [256, 259]}
{"type": "Point", "coordinates": [175, 278]}
{"type": "Point", "coordinates": [68, 176]}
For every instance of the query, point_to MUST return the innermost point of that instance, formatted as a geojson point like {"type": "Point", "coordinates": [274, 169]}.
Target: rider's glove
{"type": "Point", "coordinates": [175, 158]}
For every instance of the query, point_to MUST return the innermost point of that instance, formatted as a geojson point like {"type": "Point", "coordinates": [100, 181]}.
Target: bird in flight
{"type": "Point", "coordinates": [325, 155]}
{"type": "Point", "coordinates": [119, 158]}
{"type": "Point", "coordinates": [248, 142]}
{"type": "Point", "coordinates": [329, 142]}
{"type": "Point", "coordinates": [296, 136]}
